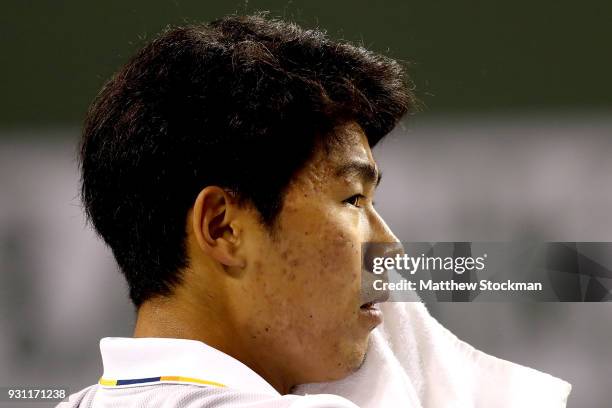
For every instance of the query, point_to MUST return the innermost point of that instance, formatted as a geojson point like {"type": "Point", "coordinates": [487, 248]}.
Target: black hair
{"type": "Point", "coordinates": [239, 103]}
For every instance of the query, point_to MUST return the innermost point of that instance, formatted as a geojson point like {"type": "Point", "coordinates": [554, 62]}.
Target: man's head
{"type": "Point", "coordinates": [229, 166]}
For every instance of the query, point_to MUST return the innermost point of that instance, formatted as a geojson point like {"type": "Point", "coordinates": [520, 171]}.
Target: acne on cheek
{"type": "Point", "coordinates": [292, 261]}
{"type": "Point", "coordinates": [316, 243]}
{"type": "Point", "coordinates": [343, 249]}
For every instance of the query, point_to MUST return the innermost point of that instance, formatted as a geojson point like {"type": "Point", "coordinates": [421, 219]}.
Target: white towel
{"type": "Point", "coordinates": [414, 362]}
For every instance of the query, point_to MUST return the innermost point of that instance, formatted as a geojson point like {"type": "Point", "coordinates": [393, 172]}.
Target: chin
{"type": "Point", "coordinates": [353, 359]}
{"type": "Point", "coordinates": [343, 359]}
{"type": "Point", "coordinates": [361, 355]}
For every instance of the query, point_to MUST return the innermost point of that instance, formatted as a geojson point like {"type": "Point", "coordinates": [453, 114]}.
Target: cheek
{"type": "Point", "coordinates": [338, 257]}
{"type": "Point", "coordinates": [322, 264]}
{"type": "Point", "coordinates": [308, 278]}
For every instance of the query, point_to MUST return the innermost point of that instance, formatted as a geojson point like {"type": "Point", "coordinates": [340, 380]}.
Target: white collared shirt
{"type": "Point", "coordinates": [162, 372]}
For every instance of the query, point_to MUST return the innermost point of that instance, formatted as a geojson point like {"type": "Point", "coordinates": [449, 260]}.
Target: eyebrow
{"type": "Point", "coordinates": [366, 171]}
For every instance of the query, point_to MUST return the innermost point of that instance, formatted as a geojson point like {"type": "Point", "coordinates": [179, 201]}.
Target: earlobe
{"type": "Point", "coordinates": [215, 228]}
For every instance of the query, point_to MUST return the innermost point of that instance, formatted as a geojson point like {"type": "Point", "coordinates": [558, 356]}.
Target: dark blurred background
{"type": "Point", "coordinates": [515, 142]}
{"type": "Point", "coordinates": [469, 56]}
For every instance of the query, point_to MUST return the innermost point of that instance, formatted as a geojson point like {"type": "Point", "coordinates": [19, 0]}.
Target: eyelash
{"type": "Point", "coordinates": [359, 197]}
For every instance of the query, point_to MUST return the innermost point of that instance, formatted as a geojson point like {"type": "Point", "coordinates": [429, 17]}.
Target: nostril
{"type": "Point", "coordinates": [373, 250]}
{"type": "Point", "coordinates": [389, 249]}
{"type": "Point", "coordinates": [393, 249]}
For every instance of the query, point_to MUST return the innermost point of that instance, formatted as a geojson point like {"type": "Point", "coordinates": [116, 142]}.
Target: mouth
{"type": "Point", "coordinates": [369, 305]}
{"type": "Point", "coordinates": [372, 300]}
{"type": "Point", "coordinates": [371, 313]}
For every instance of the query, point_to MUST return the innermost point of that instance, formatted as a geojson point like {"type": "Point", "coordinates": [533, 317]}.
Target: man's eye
{"type": "Point", "coordinates": [355, 200]}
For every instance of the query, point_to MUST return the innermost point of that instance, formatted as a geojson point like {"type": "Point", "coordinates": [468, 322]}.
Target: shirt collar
{"type": "Point", "coordinates": [127, 360]}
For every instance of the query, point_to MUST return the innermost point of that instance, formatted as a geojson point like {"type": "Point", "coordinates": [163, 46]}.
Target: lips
{"type": "Point", "coordinates": [371, 314]}
{"type": "Point", "coordinates": [370, 310]}
{"type": "Point", "coordinates": [372, 299]}
{"type": "Point", "coordinates": [368, 305]}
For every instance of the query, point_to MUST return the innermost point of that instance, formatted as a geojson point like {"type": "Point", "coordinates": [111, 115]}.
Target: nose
{"type": "Point", "coordinates": [383, 244]}
{"type": "Point", "coordinates": [381, 233]}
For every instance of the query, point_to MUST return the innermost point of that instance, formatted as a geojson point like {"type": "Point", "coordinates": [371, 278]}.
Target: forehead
{"type": "Point", "coordinates": [348, 144]}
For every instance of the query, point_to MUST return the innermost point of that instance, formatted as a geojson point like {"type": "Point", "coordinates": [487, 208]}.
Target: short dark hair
{"type": "Point", "coordinates": [239, 103]}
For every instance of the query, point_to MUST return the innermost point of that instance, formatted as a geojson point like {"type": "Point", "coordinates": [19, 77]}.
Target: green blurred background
{"type": "Point", "coordinates": [467, 55]}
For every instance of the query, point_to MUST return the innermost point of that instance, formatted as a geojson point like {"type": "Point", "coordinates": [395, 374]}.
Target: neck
{"type": "Point", "coordinates": [165, 317]}
{"type": "Point", "coordinates": [169, 318]}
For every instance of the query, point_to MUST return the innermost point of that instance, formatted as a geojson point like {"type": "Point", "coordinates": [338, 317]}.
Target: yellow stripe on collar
{"type": "Point", "coordinates": [150, 380]}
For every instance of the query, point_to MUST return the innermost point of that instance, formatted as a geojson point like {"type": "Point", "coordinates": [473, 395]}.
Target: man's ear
{"type": "Point", "coordinates": [215, 226]}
